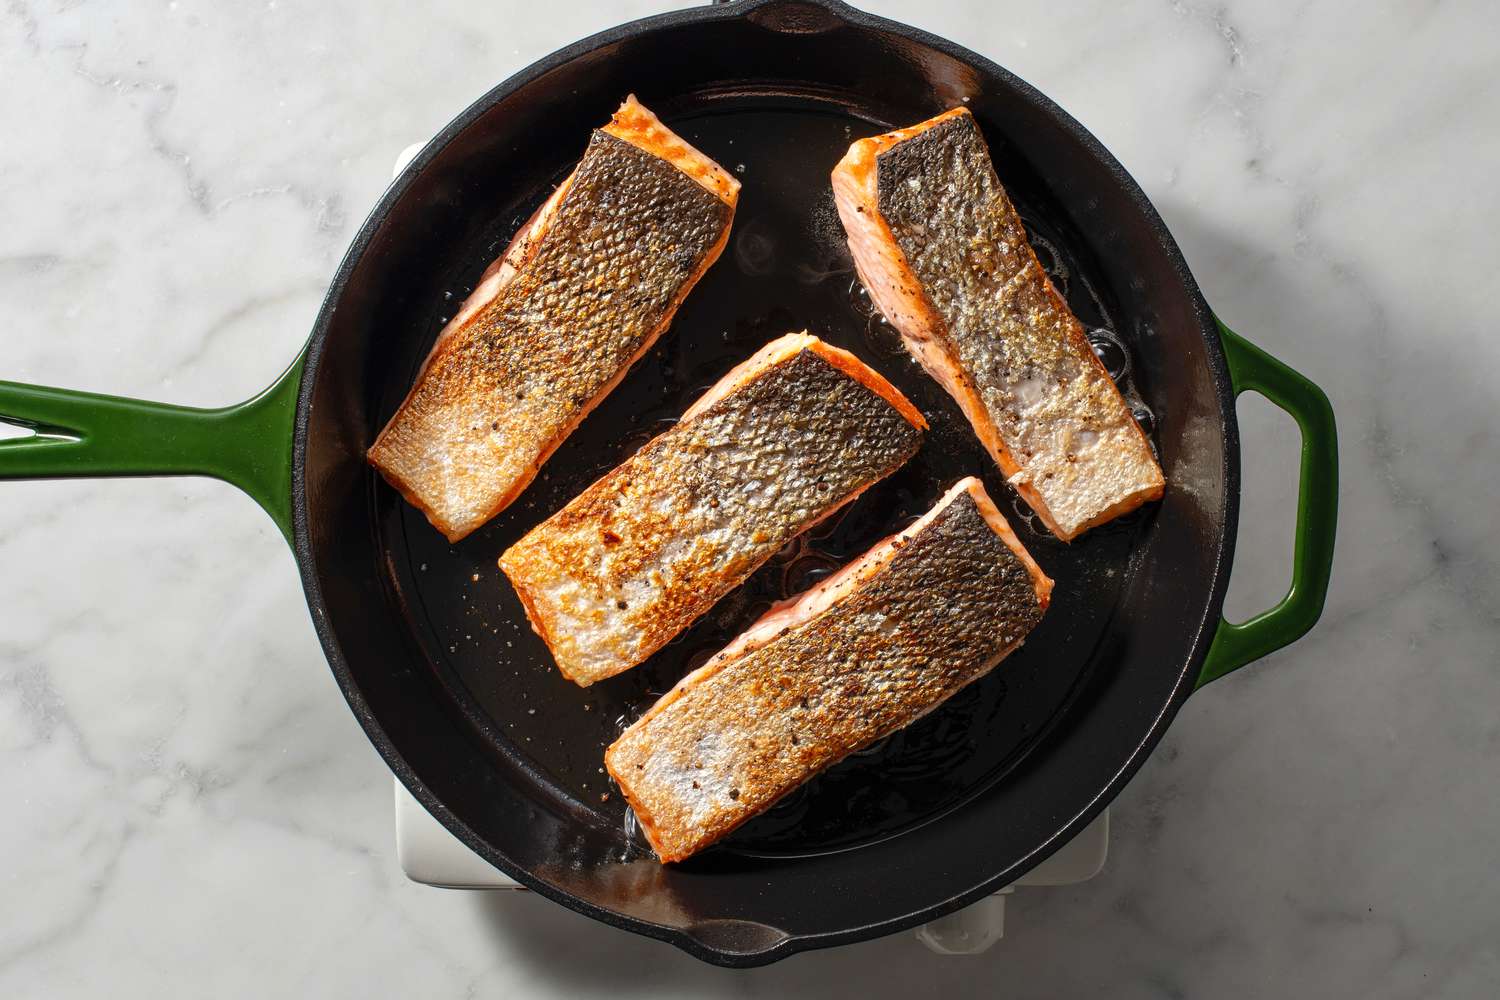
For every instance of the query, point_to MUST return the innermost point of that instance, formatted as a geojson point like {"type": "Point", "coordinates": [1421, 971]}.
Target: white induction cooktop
{"type": "Point", "coordinates": [431, 855]}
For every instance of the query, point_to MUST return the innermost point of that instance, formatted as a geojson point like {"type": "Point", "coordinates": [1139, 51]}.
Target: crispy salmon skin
{"type": "Point", "coordinates": [584, 289]}
{"type": "Point", "coordinates": [783, 440]}
{"type": "Point", "coordinates": [870, 650]}
{"type": "Point", "coordinates": [945, 257]}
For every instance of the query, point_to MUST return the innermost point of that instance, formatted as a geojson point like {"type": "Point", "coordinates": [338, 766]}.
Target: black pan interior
{"type": "Point", "coordinates": [433, 648]}
{"type": "Point", "coordinates": [786, 268]}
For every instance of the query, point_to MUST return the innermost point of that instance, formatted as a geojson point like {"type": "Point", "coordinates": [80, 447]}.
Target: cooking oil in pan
{"type": "Point", "coordinates": [787, 269]}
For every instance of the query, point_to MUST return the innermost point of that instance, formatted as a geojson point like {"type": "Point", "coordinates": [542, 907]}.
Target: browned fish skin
{"type": "Point", "coordinates": [649, 548]}
{"type": "Point", "coordinates": [951, 601]}
{"type": "Point", "coordinates": [936, 186]}
{"type": "Point", "coordinates": [631, 233]}
{"type": "Point", "coordinates": [945, 256]}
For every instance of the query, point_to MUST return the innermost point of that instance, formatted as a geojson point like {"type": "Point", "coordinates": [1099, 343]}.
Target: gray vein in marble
{"type": "Point", "coordinates": [62, 931]}
{"type": "Point", "coordinates": [31, 684]}
{"type": "Point", "coordinates": [207, 343]}
{"type": "Point", "coordinates": [195, 186]}
{"type": "Point", "coordinates": [260, 192]}
{"type": "Point", "coordinates": [1218, 18]}
{"type": "Point", "coordinates": [30, 263]}
{"type": "Point", "coordinates": [329, 216]}
{"type": "Point", "coordinates": [29, 25]}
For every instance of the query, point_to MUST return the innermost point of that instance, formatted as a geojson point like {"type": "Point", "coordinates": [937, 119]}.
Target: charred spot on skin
{"type": "Point", "coordinates": [734, 793]}
{"type": "Point", "coordinates": [610, 538]}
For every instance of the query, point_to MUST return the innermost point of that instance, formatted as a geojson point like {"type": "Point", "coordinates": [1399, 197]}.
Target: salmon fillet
{"type": "Point", "coordinates": [580, 294]}
{"type": "Point", "coordinates": [873, 648]}
{"type": "Point", "coordinates": [782, 441]}
{"type": "Point", "coordinates": [944, 256]}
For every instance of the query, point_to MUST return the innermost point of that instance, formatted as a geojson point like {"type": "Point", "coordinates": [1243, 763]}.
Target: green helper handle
{"type": "Point", "coordinates": [1253, 370]}
{"type": "Point", "coordinates": [85, 434]}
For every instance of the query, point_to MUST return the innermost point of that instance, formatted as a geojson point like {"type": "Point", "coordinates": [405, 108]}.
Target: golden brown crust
{"type": "Point", "coordinates": [580, 295]}
{"type": "Point", "coordinates": [987, 323]}
{"type": "Point", "coordinates": [638, 126]}
{"type": "Point", "coordinates": [652, 545]}
{"type": "Point", "coordinates": [913, 621]}
{"type": "Point", "coordinates": [782, 348]}
{"type": "Point", "coordinates": [846, 362]}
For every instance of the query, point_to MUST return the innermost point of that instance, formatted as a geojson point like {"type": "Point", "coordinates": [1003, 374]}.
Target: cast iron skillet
{"type": "Point", "coordinates": [426, 639]}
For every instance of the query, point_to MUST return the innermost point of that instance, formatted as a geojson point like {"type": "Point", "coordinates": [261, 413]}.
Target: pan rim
{"type": "Point", "coordinates": [1200, 637]}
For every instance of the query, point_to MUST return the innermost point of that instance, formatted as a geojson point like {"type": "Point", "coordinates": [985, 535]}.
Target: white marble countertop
{"type": "Point", "coordinates": [190, 810]}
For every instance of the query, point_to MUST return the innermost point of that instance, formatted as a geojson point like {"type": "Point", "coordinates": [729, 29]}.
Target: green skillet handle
{"type": "Point", "coordinates": [82, 434]}
{"type": "Point", "coordinates": [1253, 370]}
